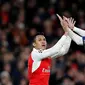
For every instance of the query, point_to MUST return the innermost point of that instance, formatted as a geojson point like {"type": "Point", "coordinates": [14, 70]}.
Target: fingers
{"type": "Point", "coordinates": [65, 18]}
{"type": "Point", "coordinates": [63, 22]}
{"type": "Point", "coordinates": [71, 20]}
{"type": "Point", "coordinates": [59, 17]}
{"type": "Point", "coordinates": [74, 22]}
{"type": "Point", "coordinates": [66, 22]}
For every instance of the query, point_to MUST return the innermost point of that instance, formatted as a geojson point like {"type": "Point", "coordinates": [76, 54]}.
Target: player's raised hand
{"type": "Point", "coordinates": [71, 22]}
{"type": "Point", "coordinates": [63, 22]}
{"type": "Point", "coordinates": [60, 18]}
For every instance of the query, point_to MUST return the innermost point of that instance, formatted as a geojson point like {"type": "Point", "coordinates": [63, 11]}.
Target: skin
{"type": "Point", "coordinates": [66, 22]}
{"type": "Point", "coordinates": [40, 42]}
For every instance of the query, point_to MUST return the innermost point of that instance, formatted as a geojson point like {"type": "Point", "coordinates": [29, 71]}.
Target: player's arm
{"type": "Point", "coordinates": [79, 31]}
{"type": "Point", "coordinates": [76, 38]}
{"type": "Point", "coordinates": [64, 48]}
{"type": "Point", "coordinates": [71, 23]}
{"type": "Point", "coordinates": [67, 43]}
{"type": "Point", "coordinates": [51, 51]}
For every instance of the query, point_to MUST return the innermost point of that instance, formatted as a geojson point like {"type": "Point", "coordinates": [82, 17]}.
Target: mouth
{"type": "Point", "coordinates": [43, 45]}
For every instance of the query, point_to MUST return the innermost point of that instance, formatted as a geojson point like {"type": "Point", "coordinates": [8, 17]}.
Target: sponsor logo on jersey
{"type": "Point", "coordinates": [46, 70]}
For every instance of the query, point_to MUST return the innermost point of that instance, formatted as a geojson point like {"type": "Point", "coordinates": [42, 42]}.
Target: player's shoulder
{"type": "Point", "coordinates": [37, 51]}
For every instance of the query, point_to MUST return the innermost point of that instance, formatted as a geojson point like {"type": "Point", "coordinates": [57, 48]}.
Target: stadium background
{"type": "Point", "coordinates": [20, 20]}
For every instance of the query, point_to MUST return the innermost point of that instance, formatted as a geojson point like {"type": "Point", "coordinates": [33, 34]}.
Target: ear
{"type": "Point", "coordinates": [34, 44]}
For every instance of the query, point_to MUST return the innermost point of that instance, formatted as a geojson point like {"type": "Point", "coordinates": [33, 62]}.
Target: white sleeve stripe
{"type": "Point", "coordinates": [35, 65]}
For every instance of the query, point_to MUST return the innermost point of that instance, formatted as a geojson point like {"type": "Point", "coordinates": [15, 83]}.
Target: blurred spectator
{"type": "Point", "coordinates": [5, 10]}
{"type": "Point", "coordinates": [7, 67]}
{"type": "Point", "coordinates": [8, 57]}
{"type": "Point", "coordinates": [68, 81]}
{"type": "Point", "coordinates": [48, 30]}
{"type": "Point", "coordinates": [23, 82]}
{"type": "Point", "coordinates": [5, 78]}
{"type": "Point", "coordinates": [18, 71]}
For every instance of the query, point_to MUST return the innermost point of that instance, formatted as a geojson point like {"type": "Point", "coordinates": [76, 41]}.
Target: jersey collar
{"type": "Point", "coordinates": [40, 50]}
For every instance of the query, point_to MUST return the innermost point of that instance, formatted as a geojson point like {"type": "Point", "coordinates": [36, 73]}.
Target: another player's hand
{"type": "Point", "coordinates": [71, 22]}
{"type": "Point", "coordinates": [63, 22]}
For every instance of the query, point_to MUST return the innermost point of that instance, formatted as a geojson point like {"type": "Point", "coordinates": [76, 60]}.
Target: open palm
{"type": "Point", "coordinates": [71, 22]}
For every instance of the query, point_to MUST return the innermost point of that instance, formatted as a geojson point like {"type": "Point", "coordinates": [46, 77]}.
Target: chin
{"type": "Point", "coordinates": [44, 48]}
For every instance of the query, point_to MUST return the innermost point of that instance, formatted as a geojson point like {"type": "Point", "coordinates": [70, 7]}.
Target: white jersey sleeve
{"type": "Point", "coordinates": [79, 31]}
{"type": "Point", "coordinates": [39, 54]}
{"type": "Point", "coordinates": [76, 38]}
{"type": "Point", "coordinates": [64, 48]}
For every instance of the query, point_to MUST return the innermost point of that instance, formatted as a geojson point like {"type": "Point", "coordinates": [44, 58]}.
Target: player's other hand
{"type": "Point", "coordinates": [63, 22]}
{"type": "Point", "coordinates": [71, 22]}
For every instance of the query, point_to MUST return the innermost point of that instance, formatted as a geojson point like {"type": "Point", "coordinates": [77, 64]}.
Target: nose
{"type": "Point", "coordinates": [43, 42]}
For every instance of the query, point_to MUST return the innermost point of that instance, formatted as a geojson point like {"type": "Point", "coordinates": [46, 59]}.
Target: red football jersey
{"type": "Point", "coordinates": [41, 75]}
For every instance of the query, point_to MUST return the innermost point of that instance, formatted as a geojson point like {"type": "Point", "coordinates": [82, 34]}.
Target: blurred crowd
{"type": "Point", "coordinates": [20, 20]}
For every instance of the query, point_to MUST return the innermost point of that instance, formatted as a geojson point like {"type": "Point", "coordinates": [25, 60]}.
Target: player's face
{"type": "Point", "coordinates": [40, 42]}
